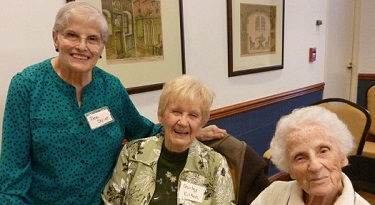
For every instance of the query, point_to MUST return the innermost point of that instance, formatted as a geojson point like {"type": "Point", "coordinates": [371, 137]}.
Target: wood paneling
{"type": "Point", "coordinates": [262, 102]}
{"type": "Point", "coordinates": [366, 76]}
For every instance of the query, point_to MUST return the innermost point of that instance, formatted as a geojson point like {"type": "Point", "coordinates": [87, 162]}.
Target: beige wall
{"type": "Point", "coordinates": [26, 39]}
{"type": "Point", "coordinates": [366, 51]}
{"type": "Point", "coordinates": [206, 54]}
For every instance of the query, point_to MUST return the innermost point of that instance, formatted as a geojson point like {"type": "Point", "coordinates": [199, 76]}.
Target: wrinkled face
{"type": "Point", "coordinates": [315, 161]}
{"type": "Point", "coordinates": [79, 45]}
{"type": "Point", "coordinates": [182, 121]}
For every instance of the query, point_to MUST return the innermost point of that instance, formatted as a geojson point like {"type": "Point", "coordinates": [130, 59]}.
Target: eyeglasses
{"type": "Point", "coordinates": [92, 42]}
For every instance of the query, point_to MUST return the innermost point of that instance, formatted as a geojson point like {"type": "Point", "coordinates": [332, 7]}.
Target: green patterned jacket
{"type": "Point", "coordinates": [133, 180]}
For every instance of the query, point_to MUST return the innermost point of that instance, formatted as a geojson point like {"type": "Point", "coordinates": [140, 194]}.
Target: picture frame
{"type": "Point", "coordinates": [146, 72]}
{"type": "Point", "coordinates": [255, 36]}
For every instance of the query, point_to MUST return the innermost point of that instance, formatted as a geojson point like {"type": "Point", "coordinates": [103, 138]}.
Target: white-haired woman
{"type": "Point", "coordinates": [311, 144]}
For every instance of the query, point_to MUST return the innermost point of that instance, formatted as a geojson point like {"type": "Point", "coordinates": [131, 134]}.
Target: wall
{"type": "Point", "coordinates": [206, 51]}
{"type": "Point", "coordinates": [257, 126]}
{"type": "Point", "coordinates": [366, 60]}
{"type": "Point", "coordinates": [26, 39]}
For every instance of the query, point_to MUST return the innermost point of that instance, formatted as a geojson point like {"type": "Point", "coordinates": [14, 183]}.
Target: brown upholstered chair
{"type": "Point", "coordinates": [246, 166]}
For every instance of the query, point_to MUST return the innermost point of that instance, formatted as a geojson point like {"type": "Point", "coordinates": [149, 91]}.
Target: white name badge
{"type": "Point", "coordinates": [98, 118]}
{"type": "Point", "coordinates": [191, 192]}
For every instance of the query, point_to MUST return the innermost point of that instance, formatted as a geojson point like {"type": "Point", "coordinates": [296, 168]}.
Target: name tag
{"type": "Point", "coordinates": [98, 118]}
{"type": "Point", "coordinates": [191, 192]}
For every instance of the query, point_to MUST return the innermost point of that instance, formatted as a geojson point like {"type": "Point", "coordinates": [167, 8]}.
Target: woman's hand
{"type": "Point", "coordinates": [211, 132]}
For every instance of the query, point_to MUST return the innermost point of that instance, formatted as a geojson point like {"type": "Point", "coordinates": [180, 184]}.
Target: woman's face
{"type": "Point", "coordinates": [315, 161]}
{"type": "Point", "coordinates": [79, 44]}
{"type": "Point", "coordinates": [182, 121]}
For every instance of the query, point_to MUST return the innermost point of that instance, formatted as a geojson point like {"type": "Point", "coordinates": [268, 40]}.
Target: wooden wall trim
{"type": "Point", "coordinates": [366, 76]}
{"type": "Point", "coordinates": [262, 102]}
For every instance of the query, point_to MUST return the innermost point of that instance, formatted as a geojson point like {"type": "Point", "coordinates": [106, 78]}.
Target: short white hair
{"type": "Point", "coordinates": [84, 10]}
{"type": "Point", "coordinates": [302, 118]}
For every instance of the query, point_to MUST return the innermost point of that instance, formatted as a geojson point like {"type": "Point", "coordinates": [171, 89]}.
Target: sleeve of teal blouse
{"type": "Point", "coordinates": [15, 163]}
{"type": "Point", "coordinates": [137, 126]}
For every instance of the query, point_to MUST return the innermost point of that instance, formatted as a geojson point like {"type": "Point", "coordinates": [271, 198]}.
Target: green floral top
{"type": "Point", "coordinates": [134, 177]}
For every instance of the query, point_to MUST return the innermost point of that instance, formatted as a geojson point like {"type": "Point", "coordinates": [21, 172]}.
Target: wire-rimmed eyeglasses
{"type": "Point", "coordinates": [93, 41]}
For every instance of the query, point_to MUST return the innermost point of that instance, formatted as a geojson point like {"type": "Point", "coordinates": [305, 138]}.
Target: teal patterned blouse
{"type": "Point", "coordinates": [49, 154]}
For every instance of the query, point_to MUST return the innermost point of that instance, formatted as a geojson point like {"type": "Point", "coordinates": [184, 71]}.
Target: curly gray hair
{"type": "Point", "coordinates": [300, 119]}
{"type": "Point", "coordinates": [81, 9]}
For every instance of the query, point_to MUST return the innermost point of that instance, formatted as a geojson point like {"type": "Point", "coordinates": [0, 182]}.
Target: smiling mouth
{"type": "Point", "coordinates": [318, 180]}
{"type": "Point", "coordinates": [181, 133]}
{"type": "Point", "coordinates": [80, 57]}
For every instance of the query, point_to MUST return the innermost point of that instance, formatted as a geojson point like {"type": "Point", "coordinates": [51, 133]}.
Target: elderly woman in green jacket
{"type": "Point", "coordinates": [173, 167]}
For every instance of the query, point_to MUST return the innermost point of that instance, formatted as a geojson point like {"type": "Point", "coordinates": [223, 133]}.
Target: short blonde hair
{"type": "Point", "coordinates": [186, 88]}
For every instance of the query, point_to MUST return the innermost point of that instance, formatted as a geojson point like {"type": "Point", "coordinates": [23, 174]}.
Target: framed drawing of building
{"type": "Point", "coordinates": [255, 36]}
{"type": "Point", "coordinates": [145, 47]}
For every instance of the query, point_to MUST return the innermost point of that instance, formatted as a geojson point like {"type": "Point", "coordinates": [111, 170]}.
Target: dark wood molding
{"type": "Point", "coordinates": [145, 88]}
{"type": "Point", "coordinates": [262, 102]}
{"type": "Point", "coordinates": [366, 76]}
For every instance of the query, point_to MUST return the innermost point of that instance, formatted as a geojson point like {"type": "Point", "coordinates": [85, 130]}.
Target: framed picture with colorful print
{"type": "Point", "coordinates": [255, 36]}
{"type": "Point", "coordinates": [145, 47]}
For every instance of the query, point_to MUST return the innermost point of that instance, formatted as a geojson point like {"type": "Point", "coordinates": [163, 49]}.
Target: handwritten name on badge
{"type": "Point", "coordinates": [99, 117]}
{"type": "Point", "coordinates": [191, 192]}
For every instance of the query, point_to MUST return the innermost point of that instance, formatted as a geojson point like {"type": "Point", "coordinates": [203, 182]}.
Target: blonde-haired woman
{"type": "Point", "coordinates": [173, 167]}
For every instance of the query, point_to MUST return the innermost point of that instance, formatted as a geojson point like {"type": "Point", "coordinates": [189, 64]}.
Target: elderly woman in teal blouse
{"type": "Point", "coordinates": [65, 119]}
{"type": "Point", "coordinates": [173, 167]}
{"type": "Point", "coordinates": [311, 144]}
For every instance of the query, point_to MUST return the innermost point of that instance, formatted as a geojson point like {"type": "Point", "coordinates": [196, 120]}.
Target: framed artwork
{"type": "Point", "coordinates": [145, 47]}
{"type": "Point", "coordinates": [255, 36]}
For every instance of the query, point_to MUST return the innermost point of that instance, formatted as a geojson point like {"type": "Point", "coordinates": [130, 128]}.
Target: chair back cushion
{"type": "Point", "coordinates": [370, 104]}
{"type": "Point", "coordinates": [247, 167]}
{"type": "Point", "coordinates": [356, 118]}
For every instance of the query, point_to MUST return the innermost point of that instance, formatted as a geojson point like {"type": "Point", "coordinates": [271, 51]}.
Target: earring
{"type": "Point", "coordinates": [56, 49]}
{"type": "Point", "coordinates": [100, 57]}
